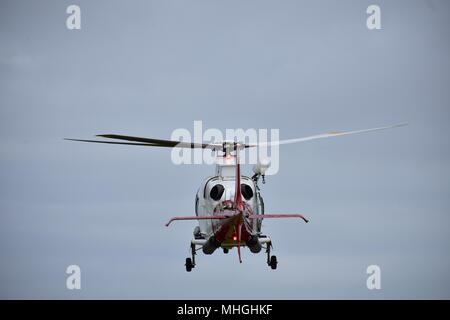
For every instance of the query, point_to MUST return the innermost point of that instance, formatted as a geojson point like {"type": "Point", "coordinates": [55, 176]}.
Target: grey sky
{"type": "Point", "coordinates": [149, 67]}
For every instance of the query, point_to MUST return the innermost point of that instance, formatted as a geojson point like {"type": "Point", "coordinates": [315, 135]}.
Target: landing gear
{"type": "Point", "coordinates": [190, 262]}
{"type": "Point", "coordinates": [226, 250]}
{"type": "Point", "coordinates": [271, 260]}
{"type": "Point", "coordinates": [189, 265]}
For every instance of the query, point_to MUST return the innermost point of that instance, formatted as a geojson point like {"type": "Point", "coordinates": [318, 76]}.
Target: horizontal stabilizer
{"type": "Point", "coordinates": [265, 216]}
{"type": "Point", "coordinates": [217, 217]}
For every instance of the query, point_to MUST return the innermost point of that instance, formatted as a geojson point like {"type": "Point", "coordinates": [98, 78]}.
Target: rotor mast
{"type": "Point", "coordinates": [227, 158]}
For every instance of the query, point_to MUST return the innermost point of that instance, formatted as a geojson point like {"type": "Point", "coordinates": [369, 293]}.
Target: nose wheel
{"type": "Point", "coordinates": [190, 262]}
{"type": "Point", "coordinates": [272, 261]}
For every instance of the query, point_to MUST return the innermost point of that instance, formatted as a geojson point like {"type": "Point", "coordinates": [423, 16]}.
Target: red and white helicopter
{"type": "Point", "coordinates": [228, 205]}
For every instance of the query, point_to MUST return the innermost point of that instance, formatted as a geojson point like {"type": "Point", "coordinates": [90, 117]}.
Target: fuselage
{"type": "Point", "coordinates": [217, 196]}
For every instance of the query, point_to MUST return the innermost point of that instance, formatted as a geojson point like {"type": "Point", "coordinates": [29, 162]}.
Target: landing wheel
{"type": "Point", "coordinates": [189, 264]}
{"type": "Point", "coordinates": [273, 262]}
{"type": "Point", "coordinates": [226, 250]}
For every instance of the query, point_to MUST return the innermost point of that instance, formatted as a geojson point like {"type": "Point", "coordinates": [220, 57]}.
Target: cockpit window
{"type": "Point", "coordinates": [247, 191]}
{"type": "Point", "coordinates": [216, 192]}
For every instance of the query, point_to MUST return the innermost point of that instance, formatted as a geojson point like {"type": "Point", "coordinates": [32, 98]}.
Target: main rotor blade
{"type": "Point", "coordinates": [149, 142]}
{"type": "Point", "coordinates": [138, 141]}
{"type": "Point", "coordinates": [114, 142]}
{"type": "Point", "coordinates": [321, 136]}
{"type": "Point", "coordinates": [160, 142]}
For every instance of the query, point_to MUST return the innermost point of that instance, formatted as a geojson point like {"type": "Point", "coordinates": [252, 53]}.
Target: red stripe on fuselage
{"type": "Point", "coordinates": [236, 230]}
{"type": "Point", "coordinates": [239, 204]}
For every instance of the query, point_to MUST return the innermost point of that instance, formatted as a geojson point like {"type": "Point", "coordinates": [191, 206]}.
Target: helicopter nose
{"type": "Point", "coordinates": [229, 194]}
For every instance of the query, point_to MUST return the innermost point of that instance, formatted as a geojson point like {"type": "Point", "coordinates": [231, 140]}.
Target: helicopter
{"type": "Point", "coordinates": [229, 207]}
